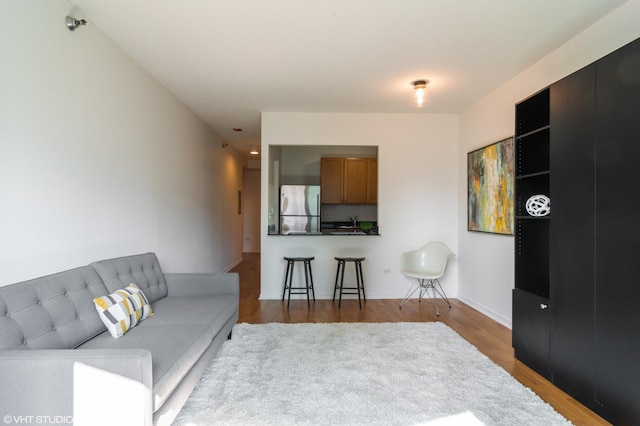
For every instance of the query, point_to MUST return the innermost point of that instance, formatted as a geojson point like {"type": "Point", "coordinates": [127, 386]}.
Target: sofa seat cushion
{"type": "Point", "coordinates": [174, 348]}
{"type": "Point", "coordinates": [212, 310]}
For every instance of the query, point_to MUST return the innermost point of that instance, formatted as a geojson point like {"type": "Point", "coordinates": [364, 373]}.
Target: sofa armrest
{"type": "Point", "coordinates": [202, 284]}
{"type": "Point", "coordinates": [79, 386]}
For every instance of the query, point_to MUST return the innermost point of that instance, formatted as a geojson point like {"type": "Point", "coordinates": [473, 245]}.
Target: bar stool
{"type": "Point", "coordinates": [359, 285]}
{"type": "Point", "coordinates": [288, 276]}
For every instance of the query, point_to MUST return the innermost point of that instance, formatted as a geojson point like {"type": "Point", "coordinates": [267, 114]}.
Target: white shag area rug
{"type": "Point", "coordinates": [358, 374]}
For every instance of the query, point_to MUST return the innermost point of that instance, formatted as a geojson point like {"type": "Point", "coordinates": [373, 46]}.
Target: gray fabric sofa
{"type": "Point", "coordinates": [58, 364]}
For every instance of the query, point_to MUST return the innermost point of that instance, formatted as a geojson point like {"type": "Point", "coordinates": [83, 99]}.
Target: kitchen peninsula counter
{"type": "Point", "coordinates": [339, 229]}
{"type": "Point", "coordinates": [329, 232]}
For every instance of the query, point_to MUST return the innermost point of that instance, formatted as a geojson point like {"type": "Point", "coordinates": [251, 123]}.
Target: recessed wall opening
{"type": "Point", "coordinates": [353, 176]}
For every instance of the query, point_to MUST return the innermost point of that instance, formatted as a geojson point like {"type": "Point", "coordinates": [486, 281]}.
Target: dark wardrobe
{"type": "Point", "coordinates": [576, 303]}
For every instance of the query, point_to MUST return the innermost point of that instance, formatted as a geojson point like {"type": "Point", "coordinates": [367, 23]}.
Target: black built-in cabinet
{"type": "Point", "coordinates": [586, 292]}
{"type": "Point", "coordinates": [572, 242]}
{"type": "Point", "coordinates": [617, 271]}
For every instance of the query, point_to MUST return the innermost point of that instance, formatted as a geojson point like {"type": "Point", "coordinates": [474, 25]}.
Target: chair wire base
{"type": "Point", "coordinates": [424, 284]}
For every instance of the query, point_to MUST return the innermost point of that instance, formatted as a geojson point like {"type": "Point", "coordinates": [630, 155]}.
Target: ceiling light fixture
{"type": "Point", "coordinates": [420, 86]}
{"type": "Point", "coordinates": [73, 23]}
{"type": "Point", "coordinates": [253, 150]}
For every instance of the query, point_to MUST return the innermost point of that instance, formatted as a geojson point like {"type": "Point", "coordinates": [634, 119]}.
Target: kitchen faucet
{"type": "Point", "coordinates": [353, 220]}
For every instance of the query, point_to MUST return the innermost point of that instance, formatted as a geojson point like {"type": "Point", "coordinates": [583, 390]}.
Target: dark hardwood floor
{"type": "Point", "coordinates": [489, 336]}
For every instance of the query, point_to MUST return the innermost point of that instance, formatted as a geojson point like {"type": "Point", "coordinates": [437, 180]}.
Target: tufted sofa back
{"type": "Point", "coordinates": [141, 269]}
{"type": "Point", "coordinates": [52, 312]}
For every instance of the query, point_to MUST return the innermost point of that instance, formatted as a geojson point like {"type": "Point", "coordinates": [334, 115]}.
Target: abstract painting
{"type": "Point", "coordinates": [490, 177]}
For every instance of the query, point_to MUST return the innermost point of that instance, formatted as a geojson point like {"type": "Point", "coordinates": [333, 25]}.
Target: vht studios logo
{"type": "Point", "coordinates": [38, 420]}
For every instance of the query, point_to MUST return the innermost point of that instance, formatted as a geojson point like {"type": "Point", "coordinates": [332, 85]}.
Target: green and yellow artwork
{"type": "Point", "coordinates": [490, 174]}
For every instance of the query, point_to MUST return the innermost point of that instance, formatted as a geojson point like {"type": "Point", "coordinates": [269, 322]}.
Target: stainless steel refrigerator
{"type": "Point", "coordinates": [299, 209]}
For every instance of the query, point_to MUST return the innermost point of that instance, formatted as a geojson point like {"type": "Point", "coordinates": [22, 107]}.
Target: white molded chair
{"type": "Point", "coordinates": [426, 264]}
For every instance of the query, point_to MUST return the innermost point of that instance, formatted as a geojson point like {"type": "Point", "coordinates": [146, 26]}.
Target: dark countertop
{"type": "Point", "coordinates": [332, 233]}
{"type": "Point", "coordinates": [346, 225]}
{"type": "Point", "coordinates": [340, 229]}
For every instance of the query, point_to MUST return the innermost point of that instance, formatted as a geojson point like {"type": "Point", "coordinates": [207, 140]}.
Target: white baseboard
{"type": "Point", "coordinates": [324, 296]}
{"type": "Point", "coordinates": [329, 296]}
{"type": "Point", "coordinates": [233, 265]}
{"type": "Point", "coordinates": [486, 311]}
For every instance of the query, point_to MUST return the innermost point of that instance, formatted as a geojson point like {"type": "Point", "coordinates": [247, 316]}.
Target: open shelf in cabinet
{"type": "Point", "coordinates": [532, 256]}
{"type": "Point", "coordinates": [532, 152]}
{"type": "Point", "coordinates": [532, 113]}
{"type": "Point", "coordinates": [527, 186]}
{"type": "Point", "coordinates": [533, 135]}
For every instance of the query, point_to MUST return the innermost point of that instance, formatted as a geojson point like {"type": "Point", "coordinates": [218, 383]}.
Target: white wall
{"type": "Point", "coordinates": [486, 275]}
{"type": "Point", "coordinates": [417, 197]}
{"type": "Point", "coordinates": [98, 160]}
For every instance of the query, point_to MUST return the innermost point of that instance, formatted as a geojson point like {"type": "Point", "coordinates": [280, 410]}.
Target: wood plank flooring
{"type": "Point", "coordinates": [489, 336]}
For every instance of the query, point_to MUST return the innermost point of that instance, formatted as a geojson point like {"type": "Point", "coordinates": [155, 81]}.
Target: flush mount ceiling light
{"type": "Point", "coordinates": [253, 150]}
{"type": "Point", "coordinates": [420, 87]}
{"type": "Point", "coordinates": [73, 23]}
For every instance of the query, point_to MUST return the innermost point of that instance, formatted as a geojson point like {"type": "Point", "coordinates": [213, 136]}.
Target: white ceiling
{"type": "Point", "coordinates": [229, 60]}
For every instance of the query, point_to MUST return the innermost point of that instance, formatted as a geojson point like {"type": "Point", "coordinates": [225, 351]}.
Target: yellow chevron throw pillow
{"type": "Point", "coordinates": [120, 311]}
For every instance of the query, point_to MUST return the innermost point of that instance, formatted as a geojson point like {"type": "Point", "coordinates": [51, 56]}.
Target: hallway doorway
{"type": "Point", "coordinates": [251, 210]}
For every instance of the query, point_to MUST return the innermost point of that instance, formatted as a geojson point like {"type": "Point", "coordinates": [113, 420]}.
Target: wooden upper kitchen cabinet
{"type": "Point", "coordinates": [331, 177]}
{"type": "Point", "coordinates": [372, 180]}
{"type": "Point", "coordinates": [355, 181]}
{"type": "Point", "coordinates": [348, 180]}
